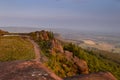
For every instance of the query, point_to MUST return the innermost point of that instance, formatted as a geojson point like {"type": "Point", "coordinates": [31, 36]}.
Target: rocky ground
{"type": "Point", "coordinates": [32, 70]}
{"type": "Point", "coordinates": [25, 70]}
{"type": "Point", "coordinates": [93, 76]}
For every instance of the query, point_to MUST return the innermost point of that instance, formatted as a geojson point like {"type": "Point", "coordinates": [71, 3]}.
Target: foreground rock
{"type": "Point", "coordinates": [32, 70]}
{"type": "Point", "coordinates": [25, 70]}
{"type": "Point", "coordinates": [94, 76]}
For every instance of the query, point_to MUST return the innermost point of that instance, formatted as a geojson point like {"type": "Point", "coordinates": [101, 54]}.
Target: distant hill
{"type": "Point", "coordinates": [19, 29]}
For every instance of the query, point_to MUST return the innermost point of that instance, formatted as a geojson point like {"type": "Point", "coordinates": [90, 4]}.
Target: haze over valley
{"type": "Point", "coordinates": [85, 39]}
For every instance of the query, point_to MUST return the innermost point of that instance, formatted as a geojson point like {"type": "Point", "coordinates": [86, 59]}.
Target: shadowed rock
{"type": "Point", "coordinates": [93, 76]}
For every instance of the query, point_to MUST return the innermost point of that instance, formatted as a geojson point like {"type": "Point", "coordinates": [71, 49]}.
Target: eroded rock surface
{"type": "Point", "coordinates": [25, 70]}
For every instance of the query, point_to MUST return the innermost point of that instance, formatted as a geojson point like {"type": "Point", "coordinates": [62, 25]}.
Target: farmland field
{"type": "Point", "coordinates": [15, 48]}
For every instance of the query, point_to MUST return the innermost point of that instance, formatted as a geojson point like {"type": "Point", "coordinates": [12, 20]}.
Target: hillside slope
{"type": "Point", "coordinates": [48, 57]}
{"type": "Point", "coordinates": [66, 59]}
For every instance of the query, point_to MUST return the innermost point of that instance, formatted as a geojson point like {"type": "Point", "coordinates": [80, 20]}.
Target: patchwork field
{"type": "Point", "coordinates": [98, 45]}
{"type": "Point", "coordinates": [15, 48]}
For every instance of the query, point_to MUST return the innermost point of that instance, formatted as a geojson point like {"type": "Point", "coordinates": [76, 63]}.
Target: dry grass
{"type": "Point", "coordinates": [15, 48]}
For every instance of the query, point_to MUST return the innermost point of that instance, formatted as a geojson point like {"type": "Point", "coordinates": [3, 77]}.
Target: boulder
{"type": "Point", "coordinates": [82, 65]}
{"type": "Point", "coordinates": [56, 45]}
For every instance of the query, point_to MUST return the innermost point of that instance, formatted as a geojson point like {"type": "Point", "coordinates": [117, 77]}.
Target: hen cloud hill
{"type": "Point", "coordinates": [32, 70]}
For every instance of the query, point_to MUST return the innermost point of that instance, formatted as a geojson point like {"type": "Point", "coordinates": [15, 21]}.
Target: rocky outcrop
{"type": "Point", "coordinates": [32, 70]}
{"type": "Point", "coordinates": [56, 45]}
{"type": "Point", "coordinates": [48, 37]}
{"type": "Point", "coordinates": [81, 64]}
{"type": "Point", "coordinates": [44, 35]}
{"type": "Point", "coordinates": [25, 70]}
{"type": "Point", "coordinates": [93, 76]}
{"type": "Point", "coordinates": [68, 54]}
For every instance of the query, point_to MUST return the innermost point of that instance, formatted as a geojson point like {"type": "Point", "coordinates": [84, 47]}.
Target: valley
{"type": "Point", "coordinates": [93, 40]}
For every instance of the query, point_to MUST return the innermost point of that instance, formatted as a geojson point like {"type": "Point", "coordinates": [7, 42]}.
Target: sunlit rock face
{"type": "Point", "coordinates": [81, 64]}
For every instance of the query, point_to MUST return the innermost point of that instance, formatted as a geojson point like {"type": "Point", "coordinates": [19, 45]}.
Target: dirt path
{"type": "Point", "coordinates": [36, 49]}
{"type": "Point", "coordinates": [37, 59]}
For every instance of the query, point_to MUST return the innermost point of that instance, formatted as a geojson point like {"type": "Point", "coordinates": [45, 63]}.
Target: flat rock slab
{"type": "Point", "coordinates": [25, 70]}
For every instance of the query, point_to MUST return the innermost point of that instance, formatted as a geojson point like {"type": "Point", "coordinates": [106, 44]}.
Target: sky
{"type": "Point", "coordinates": [93, 15]}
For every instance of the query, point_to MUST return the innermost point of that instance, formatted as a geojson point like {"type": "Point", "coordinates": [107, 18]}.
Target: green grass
{"type": "Point", "coordinates": [15, 48]}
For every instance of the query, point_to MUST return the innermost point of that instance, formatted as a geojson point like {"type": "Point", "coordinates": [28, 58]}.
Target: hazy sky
{"type": "Point", "coordinates": [101, 15]}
